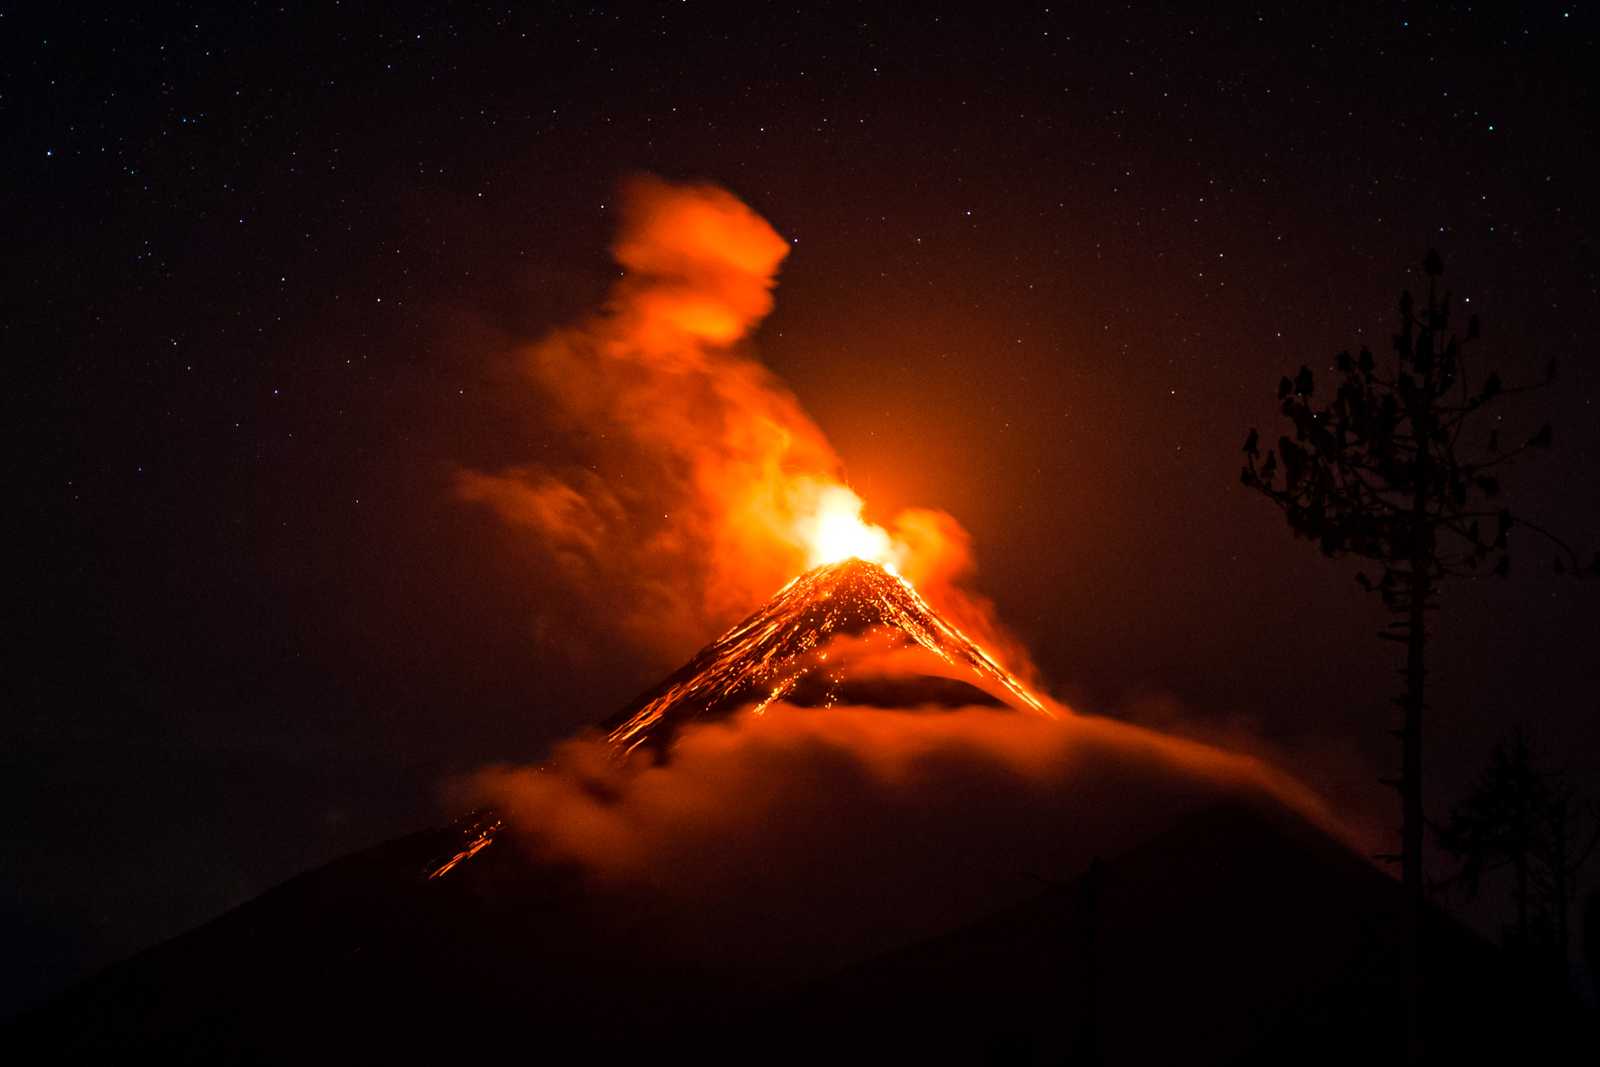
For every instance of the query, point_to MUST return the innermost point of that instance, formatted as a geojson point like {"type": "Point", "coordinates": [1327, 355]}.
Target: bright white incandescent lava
{"type": "Point", "coordinates": [836, 532]}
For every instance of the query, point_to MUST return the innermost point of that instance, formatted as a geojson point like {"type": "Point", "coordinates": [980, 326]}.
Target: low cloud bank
{"type": "Point", "coordinates": [803, 837]}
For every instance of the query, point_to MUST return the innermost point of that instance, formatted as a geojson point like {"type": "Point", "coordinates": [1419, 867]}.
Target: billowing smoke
{"type": "Point", "coordinates": [805, 837]}
{"type": "Point", "coordinates": [704, 486]}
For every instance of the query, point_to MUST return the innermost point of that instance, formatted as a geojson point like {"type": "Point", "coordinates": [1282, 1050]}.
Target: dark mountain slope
{"type": "Point", "coordinates": [1242, 934]}
{"type": "Point", "coordinates": [1239, 934]}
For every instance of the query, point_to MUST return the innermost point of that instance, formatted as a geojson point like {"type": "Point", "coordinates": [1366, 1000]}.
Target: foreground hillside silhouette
{"type": "Point", "coordinates": [1240, 934]}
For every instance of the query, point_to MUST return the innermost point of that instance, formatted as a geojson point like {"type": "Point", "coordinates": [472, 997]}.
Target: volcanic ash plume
{"type": "Point", "coordinates": [705, 486]}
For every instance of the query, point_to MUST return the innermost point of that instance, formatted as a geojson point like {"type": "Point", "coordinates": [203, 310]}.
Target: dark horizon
{"type": "Point", "coordinates": [268, 271]}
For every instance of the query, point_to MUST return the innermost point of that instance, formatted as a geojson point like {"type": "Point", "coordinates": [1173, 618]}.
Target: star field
{"type": "Point", "coordinates": [267, 265]}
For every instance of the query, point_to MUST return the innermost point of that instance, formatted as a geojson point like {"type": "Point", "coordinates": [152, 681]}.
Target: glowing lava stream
{"type": "Point", "coordinates": [477, 835]}
{"type": "Point", "coordinates": [762, 658]}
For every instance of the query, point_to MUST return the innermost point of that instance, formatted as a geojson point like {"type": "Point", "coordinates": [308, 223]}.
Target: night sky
{"type": "Point", "coordinates": [264, 269]}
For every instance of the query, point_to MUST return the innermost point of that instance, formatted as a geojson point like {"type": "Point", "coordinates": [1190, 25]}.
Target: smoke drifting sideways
{"type": "Point", "coordinates": [800, 839]}
{"type": "Point", "coordinates": [703, 482]}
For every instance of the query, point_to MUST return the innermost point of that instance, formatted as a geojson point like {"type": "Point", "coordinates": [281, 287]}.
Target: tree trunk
{"type": "Point", "coordinates": [1411, 825]}
{"type": "Point", "coordinates": [1521, 866]}
{"type": "Point", "coordinates": [1560, 876]}
{"type": "Point", "coordinates": [1421, 553]}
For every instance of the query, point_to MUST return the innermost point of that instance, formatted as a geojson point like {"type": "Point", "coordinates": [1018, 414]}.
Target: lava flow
{"type": "Point", "coordinates": [851, 609]}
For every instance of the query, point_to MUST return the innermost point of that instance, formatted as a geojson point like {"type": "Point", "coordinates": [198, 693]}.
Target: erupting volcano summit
{"type": "Point", "coordinates": [842, 633]}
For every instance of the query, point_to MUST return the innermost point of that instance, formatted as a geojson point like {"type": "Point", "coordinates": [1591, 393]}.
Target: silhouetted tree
{"type": "Point", "coordinates": [1530, 819]}
{"type": "Point", "coordinates": [1497, 825]}
{"type": "Point", "coordinates": [1386, 471]}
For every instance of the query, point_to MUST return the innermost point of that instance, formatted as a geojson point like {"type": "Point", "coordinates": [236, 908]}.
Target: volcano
{"type": "Point", "coordinates": [843, 633]}
{"type": "Point", "coordinates": [1130, 909]}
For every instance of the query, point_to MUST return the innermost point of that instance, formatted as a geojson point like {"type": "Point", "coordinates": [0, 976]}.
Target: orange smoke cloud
{"type": "Point", "coordinates": [804, 837]}
{"type": "Point", "coordinates": [705, 486]}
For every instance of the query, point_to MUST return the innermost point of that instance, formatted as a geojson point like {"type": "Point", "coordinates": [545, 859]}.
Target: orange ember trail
{"type": "Point", "coordinates": [775, 650]}
{"type": "Point", "coordinates": [477, 835]}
